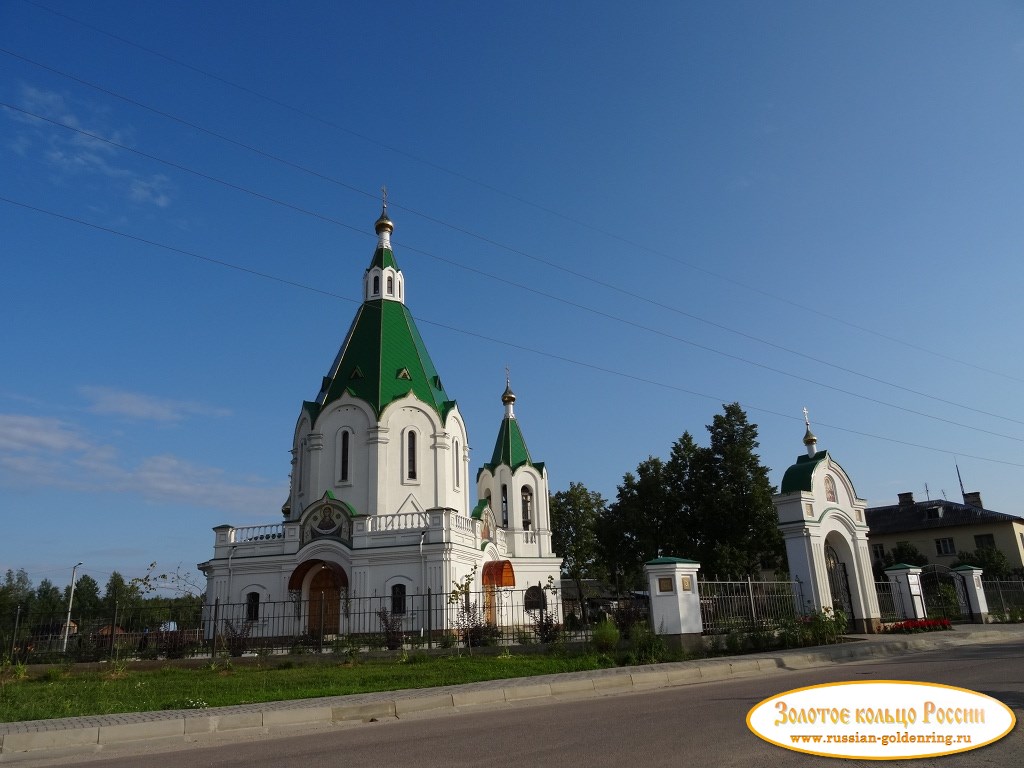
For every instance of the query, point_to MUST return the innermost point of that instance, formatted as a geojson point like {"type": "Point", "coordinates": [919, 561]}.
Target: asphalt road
{"type": "Point", "coordinates": [693, 725]}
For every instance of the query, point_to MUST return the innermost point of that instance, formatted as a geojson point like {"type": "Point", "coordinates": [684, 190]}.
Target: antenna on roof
{"type": "Point", "coordinates": [962, 491]}
{"type": "Point", "coordinates": [944, 496]}
{"type": "Point", "coordinates": [927, 494]}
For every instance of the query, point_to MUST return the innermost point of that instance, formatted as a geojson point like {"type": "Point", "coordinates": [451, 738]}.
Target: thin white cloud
{"type": "Point", "coordinates": [70, 152]}
{"type": "Point", "coordinates": [32, 434]}
{"type": "Point", "coordinates": [46, 453]}
{"type": "Point", "coordinates": [136, 406]}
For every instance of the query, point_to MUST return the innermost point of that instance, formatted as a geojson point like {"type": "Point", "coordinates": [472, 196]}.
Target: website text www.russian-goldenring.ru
{"type": "Point", "coordinates": [885, 740]}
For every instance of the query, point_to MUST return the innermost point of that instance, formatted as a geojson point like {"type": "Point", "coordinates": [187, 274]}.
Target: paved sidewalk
{"type": "Point", "coordinates": [36, 739]}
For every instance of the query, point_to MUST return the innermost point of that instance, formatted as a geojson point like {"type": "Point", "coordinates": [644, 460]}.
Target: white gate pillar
{"type": "Point", "coordinates": [975, 592]}
{"type": "Point", "coordinates": [675, 602]}
{"type": "Point", "coordinates": [906, 587]}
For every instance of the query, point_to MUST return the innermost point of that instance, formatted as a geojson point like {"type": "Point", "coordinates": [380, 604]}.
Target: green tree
{"type": "Point", "coordinates": [735, 524]}
{"type": "Point", "coordinates": [904, 553]}
{"type": "Point", "coordinates": [87, 596]}
{"type": "Point", "coordinates": [120, 596]}
{"type": "Point", "coordinates": [574, 516]}
{"type": "Point", "coordinates": [993, 563]}
{"type": "Point", "coordinates": [712, 504]}
{"type": "Point", "coordinates": [16, 590]}
{"type": "Point", "coordinates": [48, 603]}
{"type": "Point", "coordinates": [639, 525]}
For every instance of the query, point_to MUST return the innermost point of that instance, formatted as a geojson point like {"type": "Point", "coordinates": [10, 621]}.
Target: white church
{"type": "Point", "coordinates": [380, 504]}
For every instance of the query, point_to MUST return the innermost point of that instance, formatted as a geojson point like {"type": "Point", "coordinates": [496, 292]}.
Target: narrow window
{"type": "Point", "coordinates": [344, 456]}
{"type": "Point", "coordinates": [944, 547]}
{"type": "Point", "coordinates": [376, 284]}
{"type": "Point", "coordinates": [504, 506]}
{"type": "Point", "coordinates": [252, 606]}
{"type": "Point", "coordinates": [527, 507]}
{"type": "Point", "coordinates": [391, 286]}
{"type": "Point", "coordinates": [878, 552]}
{"type": "Point", "coordinates": [398, 599]}
{"type": "Point", "coordinates": [300, 465]}
{"type": "Point", "coordinates": [458, 471]}
{"type": "Point", "coordinates": [411, 456]}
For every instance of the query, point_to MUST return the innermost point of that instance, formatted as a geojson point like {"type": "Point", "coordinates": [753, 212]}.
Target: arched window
{"type": "Point", "coordinates": [410, 457]}
{"type": "Point", "coordinates": [527, 507]}
{"type": "Point", "coordinates": [300, 465]}
{"type": "Point", "coordinates": [252, 606]}
{"type": "Point", "coordinates": [344, 458]}
{"type": "Point", "coordinates": [458, 468]}
{"type": "Point", "coordinates": [534, 599]}
{"type": "Point", "coordinates": [391, 286]}
{"type": "Point", "coordinates": [504, 506]}
{"type": "Point", "coordinates": [398, 599]}
{"type": "Point", "coordinates": [376, 284]}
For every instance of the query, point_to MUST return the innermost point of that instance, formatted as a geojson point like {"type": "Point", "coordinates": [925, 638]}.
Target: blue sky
{"type": "Point", "coordinates": [644, 210]}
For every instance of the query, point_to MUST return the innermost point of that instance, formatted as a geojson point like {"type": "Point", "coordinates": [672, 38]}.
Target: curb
{"type": "Point", "coordinates": [39, 739]}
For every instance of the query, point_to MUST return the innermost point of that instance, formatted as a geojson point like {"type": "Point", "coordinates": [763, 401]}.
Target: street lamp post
{"type": "Point", "coordinates": [71, 599]}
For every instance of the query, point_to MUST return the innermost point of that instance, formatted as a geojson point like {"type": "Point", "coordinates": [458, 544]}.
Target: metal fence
{"type": "Point", "coordinates": [744, 606]}
{"type": "Point", "coordinates": [497, 616]}
{"type": "Point", "coordinates": [1005, 599]}
{"type": "Point", "coordinates": [890, 603]}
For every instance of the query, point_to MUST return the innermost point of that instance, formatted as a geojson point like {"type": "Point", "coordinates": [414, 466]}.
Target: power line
{"type": "Point", "coordinates": [490, 339]}
{"type": "Point", "coordinates": [537, 206]}
{"type": "Point", "coordinates": [550, 296]}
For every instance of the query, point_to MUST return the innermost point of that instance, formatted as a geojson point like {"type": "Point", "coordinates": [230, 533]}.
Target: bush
{"type": "Point", "coordinates": [391, 624]}
{"type": "Point", "coordinates": [647, 647]}
{"type": "Point", "coordinates": [629, 612]}
{"type": "Point", "coordinates": [605, 637]}
{"type": "Point", "coordinates": [545, 629]}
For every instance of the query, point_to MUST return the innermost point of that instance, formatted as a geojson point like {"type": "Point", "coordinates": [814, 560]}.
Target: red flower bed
{"type": "Point", "coordinates": [919, 625]}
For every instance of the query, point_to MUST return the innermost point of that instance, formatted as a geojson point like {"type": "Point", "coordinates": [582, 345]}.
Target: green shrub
{"type": "Point", "coordinates": [647, 647]}
{"type": "Point", "coordinates": [605, 637]}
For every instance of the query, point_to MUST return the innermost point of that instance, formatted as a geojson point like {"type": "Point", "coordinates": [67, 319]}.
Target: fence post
{"type": "Point", "coordinates": [430, 618]}
{"type": "Point", "coordinates": [323, 605]}
{"type": "Point", "coordinates": [14, 638]}
{"type": "Point", "coordinates": [216, 622]}
{"type": "Point", "coordinates": [1002, 603]}
{"type": "Point", "coordinates": [113, 631]}
{"type": "Point", "coordinates": [750, 594]}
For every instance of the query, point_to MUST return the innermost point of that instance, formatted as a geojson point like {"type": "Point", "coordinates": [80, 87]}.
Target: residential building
{"type": "Point", "coordinates": [941, 529]}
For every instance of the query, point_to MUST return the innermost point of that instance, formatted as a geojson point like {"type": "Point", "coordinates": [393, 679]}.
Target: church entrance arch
{"type": "Point", "coordinates": [496, 574]}
{"type": "Point", "coordinates": [321, 583]}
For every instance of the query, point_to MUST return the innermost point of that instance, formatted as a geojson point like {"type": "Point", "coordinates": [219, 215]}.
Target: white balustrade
{"type": "Point", "coordinates": [253, 533]}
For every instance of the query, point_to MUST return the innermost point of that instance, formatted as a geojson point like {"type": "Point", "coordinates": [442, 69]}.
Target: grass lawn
{"type": "Point", "coordinates": [64, 692]}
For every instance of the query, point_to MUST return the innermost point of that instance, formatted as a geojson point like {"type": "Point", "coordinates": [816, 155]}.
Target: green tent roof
{"type": "Point", "coordinates": [510, 448]}
{"type": "Point", "coordinates": [383, 359]}
{"type": "Point", "coordinates": [384, 258]}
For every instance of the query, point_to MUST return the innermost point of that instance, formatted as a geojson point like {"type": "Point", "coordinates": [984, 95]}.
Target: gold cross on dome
{"type": "Point", "coordinates": [384, 194]}
{"type": "Point", "coordinates": [807, 419]}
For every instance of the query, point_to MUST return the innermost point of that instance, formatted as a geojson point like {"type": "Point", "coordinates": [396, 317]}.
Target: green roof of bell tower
{"type": "Point", "coordinates": [383, 357]}
{"type": "Point", "coordinates": [510, 447]}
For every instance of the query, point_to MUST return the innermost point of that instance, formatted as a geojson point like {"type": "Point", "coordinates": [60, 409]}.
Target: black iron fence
{"type": "Point", "coordinates": [890, 602]}
{"type": "Point", "coordinates": [745, 606]}
{"type": "Point", "coordinates": [320, 623]}
{"type": "Point", "coordinates": [1005, 599]}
